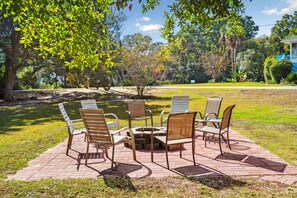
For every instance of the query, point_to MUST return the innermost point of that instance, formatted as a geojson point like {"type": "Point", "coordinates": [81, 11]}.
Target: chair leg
{"type": "Point", "coordinates": [167, 156]}
{"type": "Point", "coordinates": [97, 147]}
{"type": "Point", "coordinates": [152, 148]}
{"type": "Point", "coordinates": [180, 150]}
{"type": "Point", "coordinates": [133, 150]}
{"type": "Point", "coordinates": [203, 136]}
{"type": "Point", "coordinates": [228, 140]}
{"type": "Point", "coordinates": [87, 154]}
{"type": "Point", "coordinates": [152, 121]}
{"type": "Point", "coordinates": [220, 144]}
{"type": "Point", "coordinates": [106, 152]}
{"type": "Point", "coordinates": [193, 151]}
{"type": "Point", "coordinates": [69, 143]}
{"type": "Point", "coordinates": [112, 157]}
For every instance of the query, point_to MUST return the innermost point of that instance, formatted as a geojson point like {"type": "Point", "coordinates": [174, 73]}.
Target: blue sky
{"type": "Point", "coordinates": [265, 13]}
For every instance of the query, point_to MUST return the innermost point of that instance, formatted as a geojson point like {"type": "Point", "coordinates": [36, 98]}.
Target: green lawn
{"type": "Point", "coordinates": [268, 117]}
{"type": "Point", "coordinates": [223, 84]}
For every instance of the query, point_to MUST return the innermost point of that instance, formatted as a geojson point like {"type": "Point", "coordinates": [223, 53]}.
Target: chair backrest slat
{"type": "Point", "coordinates": [181, 125]}
{"type": "Point", "coordinates": [95, 124]}
{"type": "Point", "coordinates": [66, 118]}
{"type": "Point", "coordinates": [179, 104]}
{"type": "Point", "coordinates": [227, 117]}
{"type": "Point", "coordinates": [89, 104]}
{"type": "Point", "coordinates": [213, 105]}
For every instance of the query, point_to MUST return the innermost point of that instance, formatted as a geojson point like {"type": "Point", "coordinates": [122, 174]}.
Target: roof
{"type": "Point", "coordinates": [290, 40]}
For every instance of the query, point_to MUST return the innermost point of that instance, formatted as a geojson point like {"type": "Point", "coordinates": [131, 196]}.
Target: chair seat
{"type": "Point", "coordinates": [175, 141]}
{"type": "Point", "coordinates": [213, 130]}
{"type": "Point", "coordinates": [78, 131]}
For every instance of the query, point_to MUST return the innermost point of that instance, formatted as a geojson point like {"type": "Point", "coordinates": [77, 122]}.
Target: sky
{"type": "Point", "coordinates": [265, 13]}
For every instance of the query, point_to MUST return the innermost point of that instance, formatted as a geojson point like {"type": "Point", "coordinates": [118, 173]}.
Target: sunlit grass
{"type": "Point", "coordinates": [223, 84]}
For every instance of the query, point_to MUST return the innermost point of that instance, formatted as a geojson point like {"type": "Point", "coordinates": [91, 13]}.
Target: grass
{"type": "Point", "coordinates": [224, 84]}
{"type": "Point", "coordinates": [268, 117]}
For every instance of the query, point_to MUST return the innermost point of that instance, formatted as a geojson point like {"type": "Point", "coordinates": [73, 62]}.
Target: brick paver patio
{"type": "Point", "coordinates": [245, 159]}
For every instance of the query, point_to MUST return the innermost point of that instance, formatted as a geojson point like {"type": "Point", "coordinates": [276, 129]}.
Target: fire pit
{"type": "Point", "coordinates": [143, 137]}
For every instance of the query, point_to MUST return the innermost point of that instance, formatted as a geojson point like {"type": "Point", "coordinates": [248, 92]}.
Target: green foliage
{"type": "Point", "coordinates": [285, 27]}
{"type": "Point", "coordinates": [249, 26]}
{"type": "Point", "coordinates": [280, 70]}
{"type": "Point", "coordinates": [292, 77]}
{"type": "Point", "coordinates": [142, 61]}
{"type": "Point", "coordinates": [250, 62]}
{"type": "Point", "coordinates": [268, 63]}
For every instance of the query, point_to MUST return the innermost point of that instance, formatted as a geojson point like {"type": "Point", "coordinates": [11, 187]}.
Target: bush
{"type": "Point", "coordinates": [280, 70]}
{"type": "Point", "coordinates": [268, 63]}
{"type": "Point", "coordinates": [292, 77]}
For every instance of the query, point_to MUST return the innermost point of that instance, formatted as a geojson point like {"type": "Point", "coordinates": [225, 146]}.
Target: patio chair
{"type": "Point", "coordinates": [70, 126]}
{"type": "Point", "coordinates": [91, 104]}
{"type": "Point", "coordinates": [98, 133]}
{"type": "Point", "coordinates": [137, 111]}
{"type": "Point", "coordinates": [223, 128]}
{"type": "Point", "coordinates": [211, 112]}
{"type": "Point", "coordinates": [179, 104]}
{"type": "Point", "coordinates": [180, 130]}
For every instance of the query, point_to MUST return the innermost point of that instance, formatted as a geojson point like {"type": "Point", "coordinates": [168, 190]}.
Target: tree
{"type": "Point", "coordinates": [77, 29]}
{"type": "Point", "coordinates": [250, 64]}
{"type": "Point", "coordinates": [285, 27]}
{"type": "Point", "coordinates": [232, 38]}
{"type": "Point", "coordinates": [141, 61]}
{"type": "Point", "coordinates": [214, 62]}
{"type": "Point", "coordinates": [250, 29]}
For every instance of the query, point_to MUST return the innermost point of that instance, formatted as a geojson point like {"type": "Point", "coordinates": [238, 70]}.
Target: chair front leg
{"type": "Point", "coordinates": [167, 156]}
{"type": "Point", "coordinates": [228, 141]}
{"type": "Point", "coordinates": [180, 150]}
{"type": "Point", "coordinates": [152, 146]}
{"type": "Point", "coordinates": [112, 157]}
{"type": "Point", "coordinates": [220, 143]}
{"type": "Point", "coordinates": [193, 151]}
{"type": "Point", "coordinates": [106, 150]}
{"type": "Point", "coordinates": [69, 143]}
{"type": "Point", "coordinates": [87, 154]}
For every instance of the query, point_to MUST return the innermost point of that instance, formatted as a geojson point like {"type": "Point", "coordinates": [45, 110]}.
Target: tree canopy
{"type": "Point", "coordinates": [76, 30]}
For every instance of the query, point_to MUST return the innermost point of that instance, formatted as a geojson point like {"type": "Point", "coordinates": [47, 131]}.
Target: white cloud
{"type": "Point", "coordinates": [137, 24]}
{"type": "Point", "coordinates": [145, 19]}
{"type": "Point", "coordinates": [291, 6]}
{"type": "Point", "coordinates": [150, 27]}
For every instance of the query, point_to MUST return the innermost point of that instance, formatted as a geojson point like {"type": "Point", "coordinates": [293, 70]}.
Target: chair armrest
{"type": "Point", "coordinates": [214, 120]}
{"type": "Point", "coordinates": [129, 114]}
{"type": "Point", "coordinates": [77, 120]}
{"type": "Point", "coordinates": [118, 131]}
{"type": "Point", "coordinates": [115, 116]}
{"type": "Point", "coordinates": [198, 112]}
{"type": "Point", "coordinates": [149, 111]}
{"type": "Point", "coordinates": [161, 116]}
{"type": "Point", "coordinates": [206, 116]}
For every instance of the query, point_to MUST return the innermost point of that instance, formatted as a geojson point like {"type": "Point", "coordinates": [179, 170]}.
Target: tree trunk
{"type": "Point", "coordinates": [11, 56]}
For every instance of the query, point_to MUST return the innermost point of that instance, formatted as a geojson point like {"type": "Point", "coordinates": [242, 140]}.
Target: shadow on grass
{"type": "Point", "coordinates": [42, 113]}
{"type": "Point", "coordinates": [118, 177]}
{"type": "Point", "coordinates": [217, 181]}
{"type": "Point", "coordinates": [121, 182]}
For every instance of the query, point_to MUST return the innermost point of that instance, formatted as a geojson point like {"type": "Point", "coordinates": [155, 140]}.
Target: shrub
{"type": "Point", "coordinates": [280, 70]}
{"type": "Point", "coordinates": [268, 63]}
{"type": "Point", "coordinates": [292, 77]}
